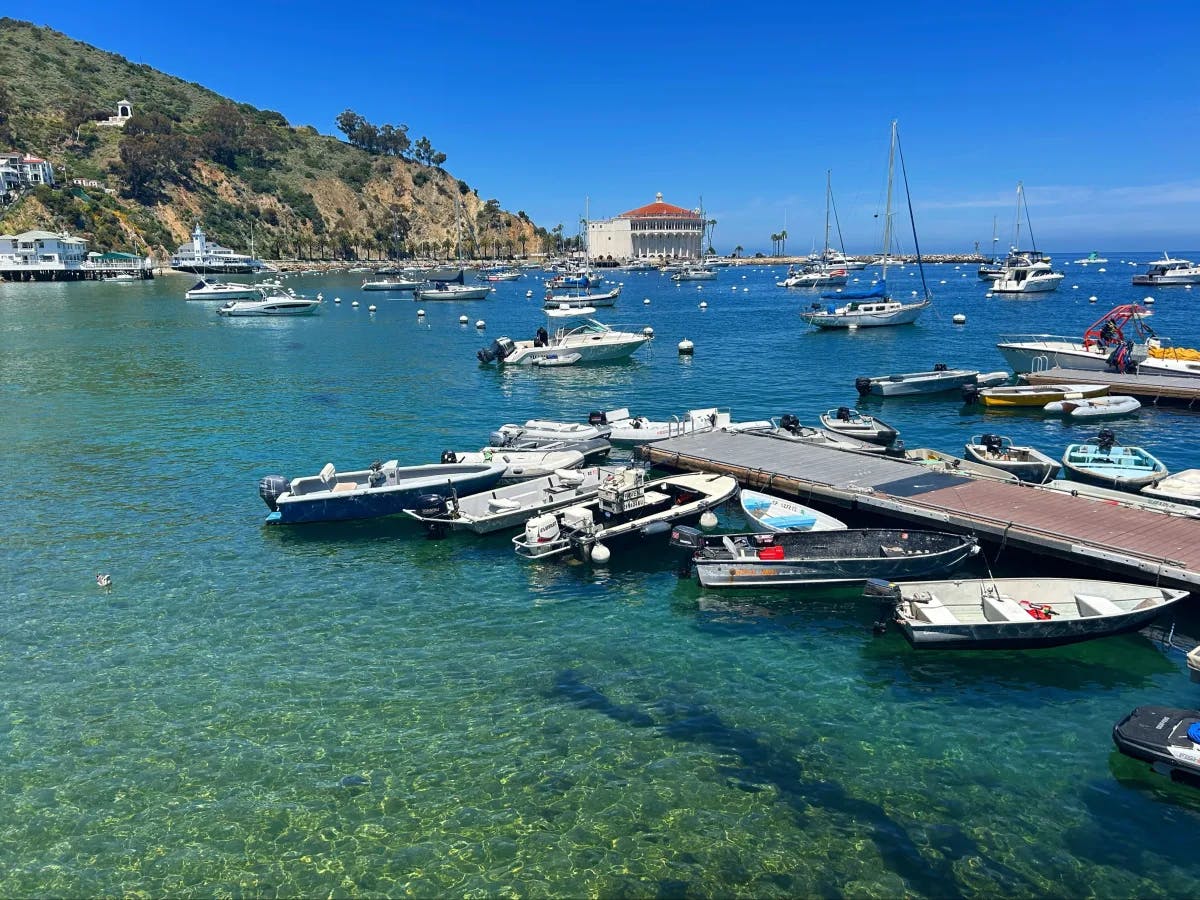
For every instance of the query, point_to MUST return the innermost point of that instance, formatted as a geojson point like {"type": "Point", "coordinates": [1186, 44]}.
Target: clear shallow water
{"type": "Point", "coordinates": [532, 729]}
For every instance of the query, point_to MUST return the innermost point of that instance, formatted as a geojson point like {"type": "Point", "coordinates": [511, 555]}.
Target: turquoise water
{"type": "Point", "coordinates": [356, 710]}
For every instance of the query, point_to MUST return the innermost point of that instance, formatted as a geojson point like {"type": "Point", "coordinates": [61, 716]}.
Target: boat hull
{"type": "Point", "coordinates": [905, 315]}
{"type": "Point", "coordinates": [594, 352]}
{"type": "Point", "coordinates": [1024, 635]}
{"type": "Point", "coordinates": [373, 503]}
{"type": "Point", "coordinates": [1159, 735]}
{"type": "Point", "coordinates": [917, 383]}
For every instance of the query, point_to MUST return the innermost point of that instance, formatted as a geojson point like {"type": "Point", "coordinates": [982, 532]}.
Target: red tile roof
{"type": "Point", "coordinates": [659, 210]}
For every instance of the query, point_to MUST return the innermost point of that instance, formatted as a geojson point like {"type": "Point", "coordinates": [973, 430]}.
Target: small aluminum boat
{"type": "Point", "coordinates": [1102, 461]}
{"type": "Point", "coordinates": [848, 421]}
{"type": "Point", "coordinates": [1027, 463]}
{"type": "Point", "coordinates": [779, 514]}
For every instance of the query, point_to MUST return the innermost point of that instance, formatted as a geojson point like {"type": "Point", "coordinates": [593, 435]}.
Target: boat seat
{"type": "Point", "coordinates": [1004, 609]}
{"type": "Point", "coordinates": [1091, 605]}
{"type": "Point", "coordinates": [926, 607]}
{"type": "Point", "coordinates": [343, 486]}
{"type": "Point", "coordinates": [328, 474]}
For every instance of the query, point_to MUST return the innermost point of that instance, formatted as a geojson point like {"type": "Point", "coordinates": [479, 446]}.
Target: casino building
{"type": "Point", "coordinates": [655, 230]}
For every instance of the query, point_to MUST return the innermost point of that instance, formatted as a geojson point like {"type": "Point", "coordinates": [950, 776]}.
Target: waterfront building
{"type": "Point", "coordinates": [200, 256]}
{"type": "Point", "coordinates": [41, 256]}
{"type": "Point", "coordinates": [657, 230]}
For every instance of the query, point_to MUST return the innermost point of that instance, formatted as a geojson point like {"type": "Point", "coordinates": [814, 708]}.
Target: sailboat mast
{"type": "Point", "coordinates": [887, 210]}
{"type": "Point", "coordinates": [828, 194]}
{"type": "Point", "coordinates": [994, 238]}
{"type": "Point", "coordinates": [587, 244]}
{"type": "Point", "coordinates": [1017, 234]}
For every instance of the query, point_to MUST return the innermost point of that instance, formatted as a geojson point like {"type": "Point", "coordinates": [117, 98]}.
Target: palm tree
{"type": "Point", "coordinates": [775, 244]}
{"type": "Point", "coordinates": [783, 241]}
{"type": "Point", "coordinates": [737, 251]}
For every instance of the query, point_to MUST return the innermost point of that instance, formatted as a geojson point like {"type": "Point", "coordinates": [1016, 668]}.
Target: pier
{"type": "Point", "coordinates": [1144, 545]}
{"type": "Point", "coordinates": [1158, 390]}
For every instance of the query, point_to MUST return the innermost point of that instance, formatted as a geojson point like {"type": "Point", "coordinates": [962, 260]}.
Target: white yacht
{"type": "Point", "coordinates": [280, 304]}
{"type": "Point", "coordinates": [1169, 271]}
{"type": "Point", "coordinates": [1026, 274]}
{"type": "Point", "coordinates": [443, 291]}
{"type": "Point", "coordinates": [588, 342]}
{"type": "Point", "coordinates": [694, 273]}
{"type": "Point", "coordinates": [818, 275]}
{"type": "Point", "coordinates": [391, 283]}
{"type": "Point", "coordinates": [221, 290]}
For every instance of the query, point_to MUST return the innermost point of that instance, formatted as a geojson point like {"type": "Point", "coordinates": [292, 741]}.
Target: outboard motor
{"type": "Point", "coordinates": [687, 538]}
{"type": "Point", "coordinates": [862, 384]}
{"type": "Point", "coordinates": [1105, 439]}
{"type": "Point", "coordinates": [970, 393]}
{"type": "Point", "coordinates": [940, 367]}
{"type": "Point", "coordinates": [992, 443]}
{"type": "Point", "coordinates": [431, 505]}
{"type": "Point", "coordinates": [485, 355]}
{"type": "Point", "coordinates": [889, 601]}
{"type": "Point", "coordinates": [843, 413]}
{"type": "Point", "coordinates": [448, 458]}
{"type": "Point", "coordinates": [270, 487]}
{"type": "Point", "coordinates": [498, 439]}
{"type": "Point", "coordinates": [789, 422]}
{"type": "Point", "coordinates": [375, 477]}
{"type": "Point", "coordinates": [595, 417]}
{"type": "Point", "coordinates": [500, 348]}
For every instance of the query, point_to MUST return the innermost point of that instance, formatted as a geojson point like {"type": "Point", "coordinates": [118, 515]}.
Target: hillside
{"type": "Point", "coordinates": [189, 155]}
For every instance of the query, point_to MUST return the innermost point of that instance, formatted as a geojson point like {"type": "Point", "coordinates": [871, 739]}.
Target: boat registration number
{"type": "Point", "coordinates": [739, 572]}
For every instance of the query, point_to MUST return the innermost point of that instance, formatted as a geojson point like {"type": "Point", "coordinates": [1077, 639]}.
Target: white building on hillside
{"type": "Point", "coordinates": [23, 170]}
{"type": "Point", "coordinates": [655, 230]}
{"type": "Point", "coordinates": [124, 114]}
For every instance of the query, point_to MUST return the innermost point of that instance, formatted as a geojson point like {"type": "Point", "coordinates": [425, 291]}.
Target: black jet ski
{"type": "Point", "coordinates": [1166, 737]}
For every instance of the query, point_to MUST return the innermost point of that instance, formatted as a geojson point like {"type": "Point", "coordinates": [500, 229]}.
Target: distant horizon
{"type": "Point", "coordinates": [543, 110]}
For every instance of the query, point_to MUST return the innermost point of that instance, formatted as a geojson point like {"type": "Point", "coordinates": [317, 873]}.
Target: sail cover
{"type": "Point", "coordinates": [880, 290]}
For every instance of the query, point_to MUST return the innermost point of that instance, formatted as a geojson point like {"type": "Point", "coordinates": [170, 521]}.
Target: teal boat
{"type": "Point", "coordinates": [1102, 461]}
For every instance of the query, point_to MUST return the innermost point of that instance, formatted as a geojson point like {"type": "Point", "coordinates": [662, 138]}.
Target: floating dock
{"type": "Point", "coordinates": [1144, 545]}
{"type": "Point", "coordinates": [1173, 390]}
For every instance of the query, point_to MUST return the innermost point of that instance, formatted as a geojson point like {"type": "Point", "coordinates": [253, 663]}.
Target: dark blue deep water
{"type": "Point", "coordinates": [357, 710]}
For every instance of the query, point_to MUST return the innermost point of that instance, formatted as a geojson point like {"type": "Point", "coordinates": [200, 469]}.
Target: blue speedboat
{"type": "Point", "coordinates": [384, 489]}
{"type": "Point", "coordinates": [1102, 461]}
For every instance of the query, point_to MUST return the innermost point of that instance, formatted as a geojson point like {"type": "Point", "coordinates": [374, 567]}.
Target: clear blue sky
{"type": "Point", "coordinates": [1095, 106]}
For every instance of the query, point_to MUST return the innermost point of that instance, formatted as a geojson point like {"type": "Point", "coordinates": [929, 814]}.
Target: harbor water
{"type": "Point", "coordinates": [357, 710]}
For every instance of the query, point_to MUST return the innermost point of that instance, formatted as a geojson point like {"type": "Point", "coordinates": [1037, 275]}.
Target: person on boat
{"type": "Point", "coordinates": [541, 338]}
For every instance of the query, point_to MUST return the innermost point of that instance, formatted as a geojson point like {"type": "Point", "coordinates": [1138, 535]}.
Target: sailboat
{"type": "Point", "coordinates": [1025, 273]}
{"type": "Point", "coordinates": [874, 308]}
{"type": "Point", "coordinates": [827, 270]}
{"type": "Point", "coordinates": [448, 290]}
{"type": "Point", "coordinates": [576, 290]}
{"type": "Point", "coordinates": [696, 270]}
{"type": "Point", "coordinates": [990, 271]}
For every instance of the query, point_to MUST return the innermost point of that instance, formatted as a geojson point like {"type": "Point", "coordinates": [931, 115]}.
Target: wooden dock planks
{"type": "Point", "coordinates": [1145, 544]}
{"type": "Point", "coordinates": [1179, 390]}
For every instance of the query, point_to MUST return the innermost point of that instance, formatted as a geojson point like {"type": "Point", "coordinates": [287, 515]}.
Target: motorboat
{"type": "Point", "coordinates": [222, 290]}
{"type": "Point", "coordinates": [501, 275]}
{"type": "Point", "coordinates": [1102, 461]}
{"type": "Point", "coordinates": [940, 378]}
{"type": "Point", "coordinates": [849, 421]}
{"type": "Point", "coordinates": [1093, 407]}
{"type": "Point", "coordinates": [584, 298]}
{"type": "Point", "coordinates": [694, 273]}
{"type": "Point", "coordinates": [1166, 737]}
{"type": "Point", "coordinates": [634, 430]}
{"type": "Point", "coordinates": [1092, 259]}
{"type": "Point", "coordinates": [548, 430]}
{"type": "Point", "coordinates": [442, 290]}
{"type": "Point", "coordinates": [511, 506]}
{"type": "Point", "coordinates": [627, 505]}
{"type": "Point", "coordinates": [278, 304]}
{"type": "Point", "coordinates": [1026, 275]}
{"type": "Point", "coordinates": [789, 428]}
{"type": "Point", "coordinates": [520, 464]}
{"type": "Point", "coordinates": [594, 450]}
{"type": "Point", "coordinates": [591, 340]}
{"type": "Point", "coordinates": [1025, 272]}
{"type": "Point", "coordinates": [950, 464]}
{"type": "Point", "coordinates": [1120, 340]}
{"type": "Point", "coordinates": [572, 281]}
{"type": "Point", "coordinates": [799, 559]}
{"type": "Point", "coordinates": [1168, 271]}
{"type": "Point", "coordinates": [1128, 499]}
{"type": "Point", "coordinates": [392, 283]}
{"type": "Point", "coordinates": [1009, 396]}
{"type": "Point", "coordinates": [1181, 487]}
{"type": "Point", "coordinates": [383, 489]}
{"type": "Point", "coordinates": [1020, 613]}
{"type": "Point", "coordinates": [876, 307]}
{"type": "Point", "coordinates": [780, 514]}
{"type": "Point", "coordinates": [815, 276]}
{"type": "Point", "coordinates": [1027, 463]}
